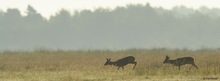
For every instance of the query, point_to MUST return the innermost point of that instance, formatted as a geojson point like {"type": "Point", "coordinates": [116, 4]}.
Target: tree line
{"type": "Point", "coordinates": [134, 26]}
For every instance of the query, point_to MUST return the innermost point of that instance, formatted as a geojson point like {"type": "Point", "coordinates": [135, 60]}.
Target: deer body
{"type": "Point", "coordinates": [181, 61]}
{"type": "Point", "coordinates": [122, 62]}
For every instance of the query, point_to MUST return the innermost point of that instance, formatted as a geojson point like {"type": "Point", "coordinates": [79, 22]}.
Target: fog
{"type": "Point", "coordinates": [134, 26]}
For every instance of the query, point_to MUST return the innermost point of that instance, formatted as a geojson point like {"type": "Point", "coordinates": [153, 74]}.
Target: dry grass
{"type": "Point", "coordinates": [89, 66]}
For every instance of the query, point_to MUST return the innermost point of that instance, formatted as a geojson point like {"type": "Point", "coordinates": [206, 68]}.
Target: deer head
{"type": "Point", "coordinates": [166, 59]}
{"type": "Point", "coordinates": [108, 62]}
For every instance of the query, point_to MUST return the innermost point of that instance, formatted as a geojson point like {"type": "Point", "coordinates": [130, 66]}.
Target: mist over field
{"type": "Point", "coordinates": [134, 26]}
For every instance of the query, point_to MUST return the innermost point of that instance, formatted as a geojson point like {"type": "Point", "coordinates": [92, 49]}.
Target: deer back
{"type": "Point", "coordinates": [184, 60]}
{"type": "Point", "coordinates": [124, 61]}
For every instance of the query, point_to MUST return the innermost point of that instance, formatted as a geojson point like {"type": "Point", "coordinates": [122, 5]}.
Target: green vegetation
{"type": "Point", "coordinates": [89, 65]}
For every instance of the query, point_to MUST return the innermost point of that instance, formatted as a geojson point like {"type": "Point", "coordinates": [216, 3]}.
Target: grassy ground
{"type": "Point", "coordinates": [89, 66]}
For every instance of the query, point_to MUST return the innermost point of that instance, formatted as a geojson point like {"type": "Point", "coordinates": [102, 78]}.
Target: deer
{"type": "Point", "coordinates": [180, 61]}
{"type": "Point", "coordinates": [121, 62]}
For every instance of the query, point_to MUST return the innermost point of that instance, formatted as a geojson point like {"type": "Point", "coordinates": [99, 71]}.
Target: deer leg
{"type": "Point", "coordinates": [135, 63]}
{"type": "Point", "coordinates": [2, 66]}
{"type": "Point", "coordinates": [179, 67]}
{"type": "Point", "coordinates": [195, 65]}
{"type": "Point", "coordinates": [190, 67]}
{"type": "Point", "coordinates": [118, 68]}
{"type": "Point", "coordinates": [123, 67]}
{"type": "Point", "coordinates": [173, 67]}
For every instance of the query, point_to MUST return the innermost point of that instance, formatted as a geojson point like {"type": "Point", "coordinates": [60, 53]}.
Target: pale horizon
{"type": "Point", "coordinates": [48, 8]}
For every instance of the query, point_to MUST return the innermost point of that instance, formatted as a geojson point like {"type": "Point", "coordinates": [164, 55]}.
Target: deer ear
{"type": "Point", "coordinates": [108, 59]}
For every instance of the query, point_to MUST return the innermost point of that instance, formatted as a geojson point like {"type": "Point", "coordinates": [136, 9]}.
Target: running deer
{"type": "Point", "coordinates": [122, 62]}
{"type": "Point", "coordinates": [180, 61]}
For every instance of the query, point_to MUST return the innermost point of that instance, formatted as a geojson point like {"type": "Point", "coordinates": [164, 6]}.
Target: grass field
{"type": "Point", "coordinates": [89, 66]}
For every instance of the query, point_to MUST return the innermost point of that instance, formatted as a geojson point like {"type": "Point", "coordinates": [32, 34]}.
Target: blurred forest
{"type": "Point", "coordinates": [134, 26]}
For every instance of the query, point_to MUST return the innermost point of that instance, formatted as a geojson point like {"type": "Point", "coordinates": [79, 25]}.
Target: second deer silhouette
{"type": "Point", "coordinates": [122, 62]}
{"type": "Point", "coordinates": [180, 61]}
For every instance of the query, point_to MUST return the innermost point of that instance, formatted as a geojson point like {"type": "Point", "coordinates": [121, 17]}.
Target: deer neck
{"type": "Point", "coordinates": [112, 63]}
{"type": "Point", "coordinates": [172, 61]}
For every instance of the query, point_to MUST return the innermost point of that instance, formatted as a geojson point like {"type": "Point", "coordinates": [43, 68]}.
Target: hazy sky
{"type": "Point", "coordinates": [48, 7]}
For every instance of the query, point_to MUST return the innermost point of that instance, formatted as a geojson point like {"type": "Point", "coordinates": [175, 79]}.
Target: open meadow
{"type": "Point", "coordinates": [47, 65]}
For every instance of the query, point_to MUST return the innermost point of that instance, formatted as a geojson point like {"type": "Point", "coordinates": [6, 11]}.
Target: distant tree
{"type": "Point", "coordinates": [31, 10]}
{"type": "Point", "coordinates": [12, 19]}
{"type": "Point", "coordinates": [1, 13]}
{"type": "Point", "coordinates": [1, 19]}
{"type": "Point", "coordinates": [33, 19]}
{"type": "Point", "coordinates": [61, 20]}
